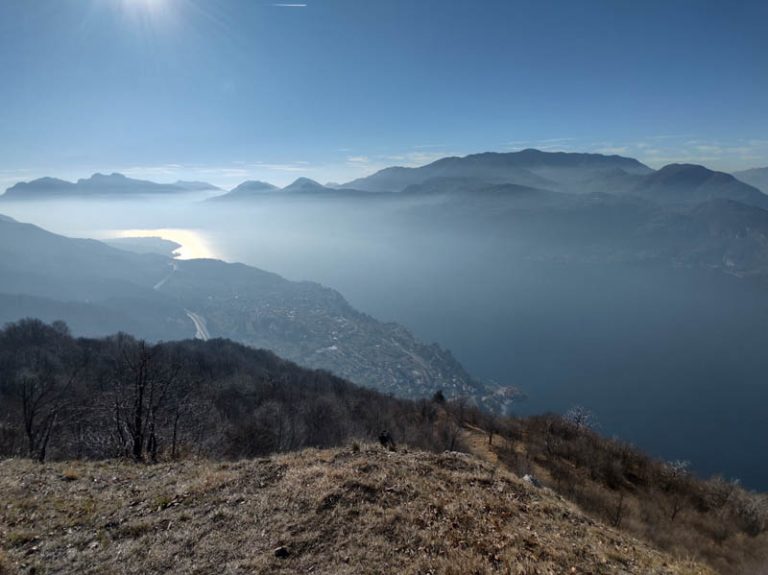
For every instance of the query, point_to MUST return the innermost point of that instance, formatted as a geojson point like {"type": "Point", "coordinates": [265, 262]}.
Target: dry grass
{"type": "Point", "coordinates": [341, 511]}
{"type": "Point", "coordinates": [5, 564]}
{"type": "Point", "coordinates": [713, 522]}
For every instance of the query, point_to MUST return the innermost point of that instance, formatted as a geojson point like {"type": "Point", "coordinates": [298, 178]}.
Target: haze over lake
{"type": "Point", "coordinates": [631, 341]}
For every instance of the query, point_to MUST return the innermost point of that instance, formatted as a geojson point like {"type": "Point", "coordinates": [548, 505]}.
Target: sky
{"type": "Point", "coordinates": [225, 91]}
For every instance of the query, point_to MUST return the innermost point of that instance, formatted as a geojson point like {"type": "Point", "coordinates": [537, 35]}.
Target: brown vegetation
{"type": "Point", "coordinates": [714, 521]}
{"type": "Point", "coordinates": [361, 510]}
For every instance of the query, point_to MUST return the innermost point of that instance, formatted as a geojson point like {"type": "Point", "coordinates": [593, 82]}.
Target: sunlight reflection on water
{"type": "Point", "coordinates": [193, 243]}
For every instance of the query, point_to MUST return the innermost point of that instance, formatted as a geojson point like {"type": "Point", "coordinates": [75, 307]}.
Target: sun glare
{"type": "Point", "coordinates": [193, 243]}
{"type": "Point", "coordinates": [146, 10]}
{"type": "Point", "coordinates": [143, 4]}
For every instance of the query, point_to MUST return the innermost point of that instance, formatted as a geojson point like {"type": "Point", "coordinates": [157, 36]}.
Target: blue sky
{"type": "Point", "coordinates": [334, 89]}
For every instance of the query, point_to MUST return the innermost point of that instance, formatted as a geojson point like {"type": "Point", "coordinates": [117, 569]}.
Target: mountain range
{"type": "Point", "coordinates": [573, 173]}
{"type": "Point", "coordinates": [99, 185]}
{"type": "Point", "coordinates": [300, 187]}
{"type": "Point", "coordinates": [534, 170]}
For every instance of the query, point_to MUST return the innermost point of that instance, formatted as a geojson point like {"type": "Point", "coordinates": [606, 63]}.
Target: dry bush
{"type": "Point", "coordinates": [713, 520]}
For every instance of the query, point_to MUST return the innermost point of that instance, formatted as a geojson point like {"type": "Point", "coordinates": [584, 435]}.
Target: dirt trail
{"type": "Point", "coordinates": [476, 440]}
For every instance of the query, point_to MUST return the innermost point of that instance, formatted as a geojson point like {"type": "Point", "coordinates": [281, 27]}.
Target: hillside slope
{"type": "Point", "coordinates": [366, 511]}
{"type": "Point", "coordinates": [100, 290]}
{"type": "Point", "coordinates": [715, 521]}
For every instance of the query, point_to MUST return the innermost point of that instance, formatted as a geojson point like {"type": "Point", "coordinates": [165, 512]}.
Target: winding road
{"type": "Point", "coordinates": [201, 327]}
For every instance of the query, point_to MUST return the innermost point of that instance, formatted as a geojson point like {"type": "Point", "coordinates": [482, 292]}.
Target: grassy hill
{"type": "Point", "coordinates": [124, 403]}
{"type": "Point", "coordinates": [345, 510]}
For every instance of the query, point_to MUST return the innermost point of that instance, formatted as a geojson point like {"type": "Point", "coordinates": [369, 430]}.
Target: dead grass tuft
{"type": "Point", "coordinates": [70, 474]}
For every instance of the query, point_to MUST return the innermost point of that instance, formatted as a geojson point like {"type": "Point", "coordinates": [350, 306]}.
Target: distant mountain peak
{"type": "Point", "coordinates": [247, 189]}
{"type": "Point", "coordinates": [695, 183]}
{"type": "Point", "coordinates": [304, 185]}
{"type": "Point", "coordinates": [113, 176]}
{"type": "Point", "coordinates": [691, 173]}
{"type": "Point", "coordinates": [757, 177]}
{"type": "Point", "coordinates": [305, 181]}
{"type": "Point", "coordinates": [254, 185]}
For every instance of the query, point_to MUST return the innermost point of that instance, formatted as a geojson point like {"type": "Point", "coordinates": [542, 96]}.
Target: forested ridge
{"type": "Point", "coordinates": [66, 397]}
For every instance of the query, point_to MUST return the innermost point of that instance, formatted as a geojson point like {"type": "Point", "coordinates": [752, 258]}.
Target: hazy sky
{"type": "Point", "coordinates": [333, 89]}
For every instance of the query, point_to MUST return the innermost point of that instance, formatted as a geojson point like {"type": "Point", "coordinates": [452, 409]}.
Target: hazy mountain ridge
{"type": "Point", "coordinates": [304, 185]}
{"type": "Point", "coordinates": [567, 172]}
{"type": "Point", "coordinates": [529, 167]}
{"type": "Point", "coordinates": [316, 327]}
{"type": "Point", "coordinates": [252, 190]}
{"type": "Point", "coordinates": [98, 185]}
{"type": "Point", "coordinates": [301, 321]}
{"type": "Point", "coordinates": [604, 228]}
{"type": "Point", "coordinates": [246, 190]}
{"type": "Point", "coordinates": [757, 177]}
{"type": "Point", "coordinates": [553, 171]}
{"type": "Point", "coordinates": [695, 183]}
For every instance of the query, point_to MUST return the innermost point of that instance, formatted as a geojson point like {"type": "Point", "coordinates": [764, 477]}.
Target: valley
{"type": "Point", "coordinates": [615, 301]}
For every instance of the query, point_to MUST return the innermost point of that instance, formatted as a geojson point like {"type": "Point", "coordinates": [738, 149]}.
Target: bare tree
{"type": "Point", "coordinates": [677, 474]}
{"type": "Point", "coordinates": [581, 418]}
{"type": "Point", "coordinates": [618, 514]}
{"type": "Point", "coordinates": [42, 392]}
{"type": "Point", "coordinates": [142, 387]}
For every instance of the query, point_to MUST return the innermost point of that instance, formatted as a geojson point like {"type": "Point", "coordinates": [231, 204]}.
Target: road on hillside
{"type": "Point", "coordinates": [201, 326]}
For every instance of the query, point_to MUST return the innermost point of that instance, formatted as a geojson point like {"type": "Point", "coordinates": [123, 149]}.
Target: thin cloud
{"type": "Point", "coordinates": [556, 140]}
{"type": "Point", "coordinates": [281, 5]}
{"type": "Point", "coordinates": [613, 150]}
{"type": "Point", "coordinates": [294, 167]}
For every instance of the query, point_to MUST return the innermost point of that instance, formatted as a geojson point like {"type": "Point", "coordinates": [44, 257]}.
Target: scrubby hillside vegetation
{"type": "Point", "coordinates": [714, 520]}
{"type": "Point", "coordinates": [184, 405]}
{"type": "Point", "coordinates": [342, 511]}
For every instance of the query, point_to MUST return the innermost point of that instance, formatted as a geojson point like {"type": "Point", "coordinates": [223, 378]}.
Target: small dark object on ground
{"type": "Point", "coordinates": [282, 552]}
{"type": "Point", "coordinates": [386, 440]}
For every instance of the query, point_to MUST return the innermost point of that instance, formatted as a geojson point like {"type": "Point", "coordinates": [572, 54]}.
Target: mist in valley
{"type": "Point", "coordinates": [667, 356]}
